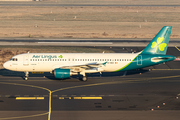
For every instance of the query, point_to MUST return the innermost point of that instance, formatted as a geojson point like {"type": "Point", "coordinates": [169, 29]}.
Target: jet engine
{"type": "Point", "coordinates": [62, 73]}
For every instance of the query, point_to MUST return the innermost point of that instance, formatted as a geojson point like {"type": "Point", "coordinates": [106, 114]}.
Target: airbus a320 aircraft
{"type": "Point", "coordinates": [64, 65]}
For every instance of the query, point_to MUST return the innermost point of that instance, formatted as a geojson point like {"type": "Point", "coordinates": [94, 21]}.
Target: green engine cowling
{"type": "Point", "coordinates": [61, 73]}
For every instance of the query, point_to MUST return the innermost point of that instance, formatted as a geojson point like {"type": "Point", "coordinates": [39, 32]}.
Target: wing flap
{"type": "Point", "coordinates": [81, 67]}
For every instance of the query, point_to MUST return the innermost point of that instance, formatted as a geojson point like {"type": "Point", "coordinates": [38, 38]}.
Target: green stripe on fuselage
{"type": "Point", "coordinates": [121, 69]}
{"type": "Point", "coordinates": [146, 61]}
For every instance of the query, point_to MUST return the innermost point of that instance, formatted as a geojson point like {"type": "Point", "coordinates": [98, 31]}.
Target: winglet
{"type": "Point", "coordinates": [104, 63]}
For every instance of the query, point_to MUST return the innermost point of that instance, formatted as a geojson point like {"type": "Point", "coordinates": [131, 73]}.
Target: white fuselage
{"type": "Point", "coordinates": [47, 62]}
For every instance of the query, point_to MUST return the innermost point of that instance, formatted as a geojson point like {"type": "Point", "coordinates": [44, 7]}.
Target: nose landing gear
{"type": "Point", "coordinates": [26, 76]}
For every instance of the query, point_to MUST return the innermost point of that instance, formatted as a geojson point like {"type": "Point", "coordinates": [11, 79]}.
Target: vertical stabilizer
{"type": "Point", "coordinates": [159, 43]}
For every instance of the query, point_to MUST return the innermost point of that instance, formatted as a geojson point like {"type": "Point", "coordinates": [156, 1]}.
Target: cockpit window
{"type": "Point", "coordinates": [13, 59]}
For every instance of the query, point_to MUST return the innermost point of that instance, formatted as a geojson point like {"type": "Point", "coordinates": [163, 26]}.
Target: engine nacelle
{"type": "Point", "coordinates": [62, 73]}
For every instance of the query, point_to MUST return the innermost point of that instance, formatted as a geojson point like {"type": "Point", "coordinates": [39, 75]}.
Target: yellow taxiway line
{"type": "Point", "coordinates": [88, 98]}
{"type": "Point", "coordinates": [49, 113]}
{"type": "Point", "coordinates": [80, 86]}
{"type": "Point", "coordinates": [29, 98]}
{"type": "Point", "coordinates": [20, 117]}
{"type": "Point", "coordinates": [79, 98]}
{"type": "Point", "coordinates": [177, 48]}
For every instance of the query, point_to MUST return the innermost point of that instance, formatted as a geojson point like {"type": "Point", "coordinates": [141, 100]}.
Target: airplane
{"type": "Point", "coordinates": [64, 65]}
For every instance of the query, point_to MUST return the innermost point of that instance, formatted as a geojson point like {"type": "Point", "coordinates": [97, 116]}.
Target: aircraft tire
{"type": "Point", "coordinates": [26, 78]}
{"type": "Point", "coordinates": [84, 79]}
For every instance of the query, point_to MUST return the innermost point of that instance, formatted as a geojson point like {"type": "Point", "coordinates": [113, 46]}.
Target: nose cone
{"type": "Point", "coordinates": [6, 65]}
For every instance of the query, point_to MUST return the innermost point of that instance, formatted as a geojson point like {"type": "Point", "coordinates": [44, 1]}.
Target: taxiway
{"type": "Point", "coordinates": [154, 93]}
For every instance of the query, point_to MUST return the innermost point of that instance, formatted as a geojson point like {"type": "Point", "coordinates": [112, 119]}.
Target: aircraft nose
{"type": "Point", "coordinates": [6, 65]}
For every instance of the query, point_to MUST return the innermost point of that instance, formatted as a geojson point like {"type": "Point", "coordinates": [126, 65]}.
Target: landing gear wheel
{"type": "Point", "coordinates": [26, 78]}
{"type": "Point", "coordinates": [84, 78]}
{"type": "Point", "coordinates": [26, 75]}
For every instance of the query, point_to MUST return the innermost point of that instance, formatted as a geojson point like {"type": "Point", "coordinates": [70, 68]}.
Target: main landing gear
{"type": "Point", "coordinates": [84, 77]}
{"type": "Point", "coordinates": [26, 75]}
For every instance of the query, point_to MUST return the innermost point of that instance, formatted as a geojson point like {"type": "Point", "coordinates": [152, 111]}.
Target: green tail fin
{"type": "Point", "coordinates": [159, 43]}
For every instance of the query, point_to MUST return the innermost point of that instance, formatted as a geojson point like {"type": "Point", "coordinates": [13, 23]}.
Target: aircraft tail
{"type": "Point", "coordinates": [159, 43]}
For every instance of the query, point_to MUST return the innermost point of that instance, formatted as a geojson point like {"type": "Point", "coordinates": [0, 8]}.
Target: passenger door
{"type": "Point", "coordinates": [26, 60]}
{"type": "Point", "coordinates": [139, 60]}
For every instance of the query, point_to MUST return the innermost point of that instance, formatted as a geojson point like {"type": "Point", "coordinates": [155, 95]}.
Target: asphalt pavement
{"type": "Point", "coordinates": [149, 93]}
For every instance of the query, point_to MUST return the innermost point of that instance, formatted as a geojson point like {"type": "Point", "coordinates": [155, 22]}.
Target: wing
{"type": "Point", "coordinates": [81, 67]}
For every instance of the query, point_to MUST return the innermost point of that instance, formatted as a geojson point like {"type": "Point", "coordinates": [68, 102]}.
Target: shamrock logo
{"type": "Point", "coordinates": [60, 56]}
{"type": "Point", "coordinates": [159, 44]}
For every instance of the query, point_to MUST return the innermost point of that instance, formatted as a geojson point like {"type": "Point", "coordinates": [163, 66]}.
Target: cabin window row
{"type": "Point", "coordinates": [80, 60]}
